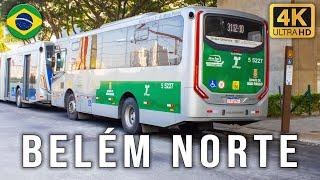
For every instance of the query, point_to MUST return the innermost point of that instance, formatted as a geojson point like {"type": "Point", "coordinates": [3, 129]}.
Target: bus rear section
{"type": "Point", "coordinates": [27, 74]}
{"type": "Point", "coordinates": [230, 68]}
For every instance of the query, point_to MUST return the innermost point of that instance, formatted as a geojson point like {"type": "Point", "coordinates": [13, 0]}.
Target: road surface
{"type": "Point", "coordinates": [44, 121]}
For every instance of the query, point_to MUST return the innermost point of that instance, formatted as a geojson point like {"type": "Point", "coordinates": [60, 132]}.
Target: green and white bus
{"type": "Point", "coordinates": [190, 65]}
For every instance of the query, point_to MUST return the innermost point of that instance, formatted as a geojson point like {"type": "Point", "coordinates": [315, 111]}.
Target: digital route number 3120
{"type": "Point", "coordinates": [292, 20]}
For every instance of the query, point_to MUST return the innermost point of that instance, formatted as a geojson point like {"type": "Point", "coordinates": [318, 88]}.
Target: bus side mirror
{"type": "Point", "coordinates": [141, 34]}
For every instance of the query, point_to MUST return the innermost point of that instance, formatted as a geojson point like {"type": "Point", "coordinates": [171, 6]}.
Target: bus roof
{"type": "Point", "coordinates": [28, 47]}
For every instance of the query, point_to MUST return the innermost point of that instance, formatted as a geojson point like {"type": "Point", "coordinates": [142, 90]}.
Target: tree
{"type": "Point", "coordinates": [65, 16]}
{"type": "Point", "coordinates": [4, 39]}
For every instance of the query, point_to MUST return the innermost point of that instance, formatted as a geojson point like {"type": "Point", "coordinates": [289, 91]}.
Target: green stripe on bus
{"type": "Point", "coordinates": [151, 95]}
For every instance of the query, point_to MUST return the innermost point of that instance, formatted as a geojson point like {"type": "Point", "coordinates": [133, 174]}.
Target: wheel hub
{"type": "Point", "coordinates": [18, 99]}
{"type": "Point", "coordinates": [130, 116]}
{"type": "Point", "coordinates": [72, 106]}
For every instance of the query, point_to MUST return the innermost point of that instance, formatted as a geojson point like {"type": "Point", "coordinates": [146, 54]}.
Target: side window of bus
{"type": "Point", "coordinates": [49, 55]}
{"type": "Point", "coordinates": [61, 57]}
{"type": "Point", "coordinates": [94, 63]}
{"type": "Point", "coordinates": [142, 44]}
{"type": "Point", "coordinates": [114, 49]}
{"type": "Point", "coordinates": [75, 55]}
{"type": "Point", "coordinates": [170, 37]}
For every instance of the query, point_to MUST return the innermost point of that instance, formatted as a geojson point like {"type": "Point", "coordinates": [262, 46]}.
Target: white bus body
{"type": "Point", "coordinates": [26, 74]}
{"type": "Point", "coordinates": [150, 69]}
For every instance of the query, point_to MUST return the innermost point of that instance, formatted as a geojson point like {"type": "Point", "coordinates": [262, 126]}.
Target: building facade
{"type": "Point", "coordinates": [307, 51]}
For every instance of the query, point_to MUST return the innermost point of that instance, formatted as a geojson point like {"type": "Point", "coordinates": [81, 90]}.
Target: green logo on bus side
{"type": "Point", "coordinates": [152, 95]}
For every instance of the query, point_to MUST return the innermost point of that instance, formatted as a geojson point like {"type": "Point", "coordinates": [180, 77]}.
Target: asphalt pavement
{"type": "Point", "coordinates": [44, 121]}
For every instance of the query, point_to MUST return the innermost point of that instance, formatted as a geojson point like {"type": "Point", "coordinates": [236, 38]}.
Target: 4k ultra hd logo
{"type": "Point", "coordinates": [24, 21]}
{"type": "Point", "coordinates": [292, 20]}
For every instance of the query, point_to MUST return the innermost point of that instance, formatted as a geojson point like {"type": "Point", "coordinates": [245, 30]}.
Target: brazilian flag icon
{"type": "Point", "coordinates": [24, 21]}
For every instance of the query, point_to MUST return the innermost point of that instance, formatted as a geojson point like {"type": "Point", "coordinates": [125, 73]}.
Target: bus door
{"type": "Point", "coordinates": [7, 78]}
{"type": "Point", "coordinates": [58, 78]}
{"type": "Point", "coordinates": [26, 75]}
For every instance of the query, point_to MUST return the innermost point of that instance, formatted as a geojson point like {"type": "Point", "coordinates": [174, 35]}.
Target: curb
{"type": "Point", "coordinates": [307, 138]}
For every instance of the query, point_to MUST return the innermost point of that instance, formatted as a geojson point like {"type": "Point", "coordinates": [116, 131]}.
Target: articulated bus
{"type": "Point", "coordinates": [26, 73]}
{"type": "Point", "coordinates": [190, 65]}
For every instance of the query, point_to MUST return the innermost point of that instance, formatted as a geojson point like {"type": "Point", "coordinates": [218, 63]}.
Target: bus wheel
{"type": "Point", "coordinates": [130, 116]}
{"type": "Point", "coordinates": [188, 128]}
{"type": "Point", "coordinates": [71, 108]}
{"type": "Point", "coordinates": [19, 98]}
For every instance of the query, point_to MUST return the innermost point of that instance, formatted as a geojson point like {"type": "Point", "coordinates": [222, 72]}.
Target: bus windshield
{"type": "Point", "coordinates": [232, 31]}
{"type": "Point", "coordinates": [49, 54]}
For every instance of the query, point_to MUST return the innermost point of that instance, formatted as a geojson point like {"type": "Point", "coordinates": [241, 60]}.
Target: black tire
{"type": "Point", "coordinates": [188, 128]}
{"type": "Point", "coordinates": [71, 107]}
{"type": "Point", "coordinates": [19, 98]}
{"type": "Point", "coordinates": [130, 116]}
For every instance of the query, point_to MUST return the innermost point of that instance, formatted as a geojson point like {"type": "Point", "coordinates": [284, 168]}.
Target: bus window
{"type": "Point", "coordinates": [93, 54]}
{"type": "Point", "coordinates": [75, 45]}
{"type": "Point", "coordinates": [114, 49]}
{"type": "Point", "coordinates": [78, 54]}
{"type": "Point", "coordinates": [61, 57]}
{"type": "Point", "coordinates": [49, 61]}
{"type": "Point", "coordinates": [142, 45]}
{"type": "Point", "coordinates": [49, 54]}
{"type": "Point", "coordinates": [170, 37]}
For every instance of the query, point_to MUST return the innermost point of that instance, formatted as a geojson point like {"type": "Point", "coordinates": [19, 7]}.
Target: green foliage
{"type": "Point", "coordinates": [301, 103]}
{"type": "Point", "coordinates": [68, 15]}
{"type": "Point", "coordinates": [274, 108]}
{"type": "Point", "coordinates": [4, 39]}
